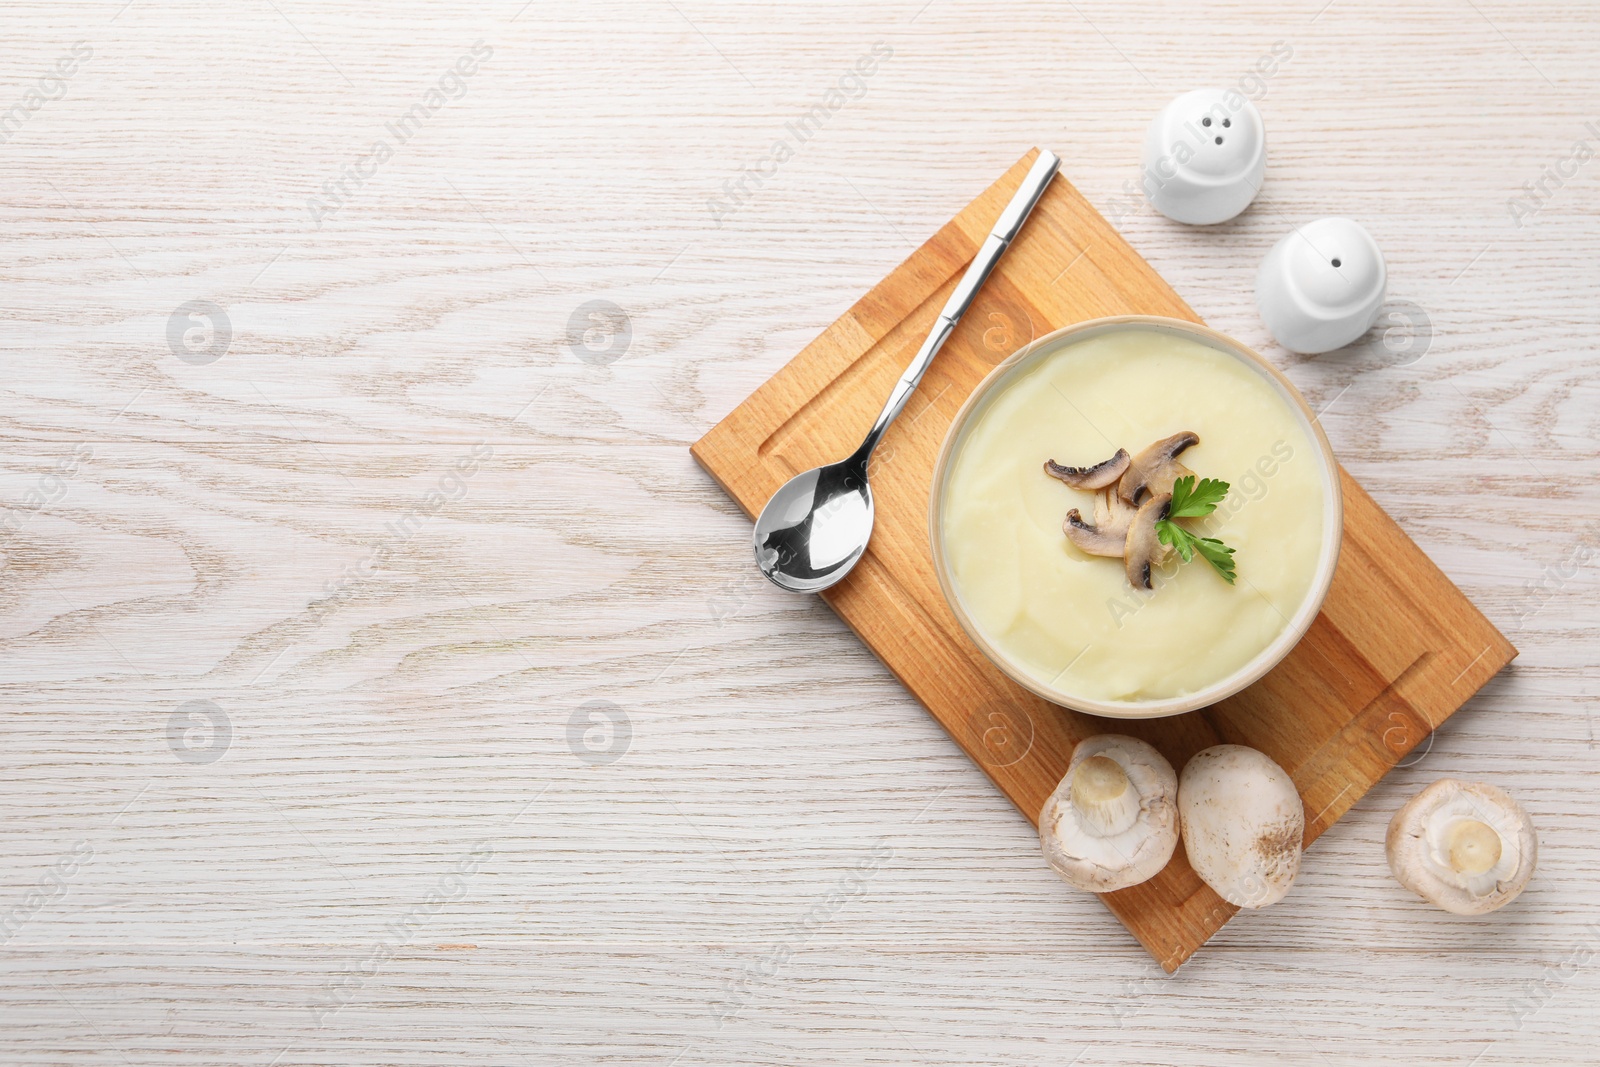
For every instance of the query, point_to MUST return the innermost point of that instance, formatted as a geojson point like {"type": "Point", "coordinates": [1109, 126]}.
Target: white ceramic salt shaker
{"type": "Point", "coordinates": [1205, 156]}
{"type": "Point", "coordinates": [1322, 286]}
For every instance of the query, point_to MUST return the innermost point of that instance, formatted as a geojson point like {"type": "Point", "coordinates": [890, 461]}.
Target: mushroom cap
{"type": "Point", "coordinates": [1154, 470]}
{"type": "Point", "coordinates": [1243, 824]}
{"type": "Point", "coordinates": [1142, 836]}
{"type": "Point", "coordinates": [1098, 476]}
{"type": "Point", "coordinates": [1439, 850]}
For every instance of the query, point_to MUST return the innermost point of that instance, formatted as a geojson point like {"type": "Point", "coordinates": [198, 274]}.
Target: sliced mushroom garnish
{"type": "Point", "coordinates": [1109, 534]}
{"type": "Point", "coordinates": [1098, 476]}
{"type": "Point", "coordinates": [1110, 513]}
{"type": "Point", "coordinates": [1144, 550]}
{"type": "Point", "coordinates": [1153, 471]}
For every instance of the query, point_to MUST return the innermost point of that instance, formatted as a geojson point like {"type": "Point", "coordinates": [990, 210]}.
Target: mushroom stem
{"type": "Point", "coordinates": [1101, 793]}
{"type": "Point", "coordinates": [1109, 534]}
{"type": "Point", "coordinates": [1468, 847]}
{"type": "Point", "coordinates": [1474, 846]}
{"type": "Point", "coordinates": [1111, 821]}
{"type": "Point", "coordinates": [1098, 779]}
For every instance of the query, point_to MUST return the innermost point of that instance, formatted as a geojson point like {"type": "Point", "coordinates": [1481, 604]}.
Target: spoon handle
{"type": "Point", "coordinates": [1005, 231]}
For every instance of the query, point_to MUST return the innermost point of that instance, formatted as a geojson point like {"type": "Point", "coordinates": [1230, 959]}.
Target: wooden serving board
{"type": "Point", "coordinates": [1395, 651]}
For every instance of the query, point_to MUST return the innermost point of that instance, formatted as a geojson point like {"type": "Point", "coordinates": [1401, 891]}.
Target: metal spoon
{"type": "Point", "coordinates": [817, 525]}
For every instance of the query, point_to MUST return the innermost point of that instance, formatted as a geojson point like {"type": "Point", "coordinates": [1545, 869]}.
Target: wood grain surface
{"type": "Point", "coordinates": [311, 735]}
{"type": "Point", "coordinates": [1393, 653]}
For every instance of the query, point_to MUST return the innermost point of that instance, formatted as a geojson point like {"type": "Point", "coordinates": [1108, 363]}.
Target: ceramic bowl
{"type": "Point", "coordinates": [1253, 669]}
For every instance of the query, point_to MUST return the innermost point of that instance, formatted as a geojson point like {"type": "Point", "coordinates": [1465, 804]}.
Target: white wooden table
{"type": "Point", "coordinates": [381, 683]}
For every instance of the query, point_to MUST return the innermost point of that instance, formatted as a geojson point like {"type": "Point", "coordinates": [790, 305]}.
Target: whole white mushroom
{"type": "Point", "coordinates": [1243, 824]}
{"type": "Point", "coordinates": [1113, 820]}
{"type": "Point", "coordinates": [1468, 847]}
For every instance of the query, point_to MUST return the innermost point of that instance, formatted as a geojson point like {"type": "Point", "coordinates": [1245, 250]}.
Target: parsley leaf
{"type": "Point", "coordinates": [1219, 555]}
{"type": "Point", "coordinates": [1213, 551]}
{"type": "Point", "coordinates": [1191, 501]}
{"type": "Point", "coordinates": [1170, 533]}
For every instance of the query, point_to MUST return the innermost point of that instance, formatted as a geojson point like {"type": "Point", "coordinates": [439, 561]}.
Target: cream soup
{"type": "Point", "coordinates": [1071, 621]}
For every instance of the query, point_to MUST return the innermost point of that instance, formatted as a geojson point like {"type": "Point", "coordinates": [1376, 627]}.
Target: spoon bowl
{"type": "Point", "coordinates": [815, 528]}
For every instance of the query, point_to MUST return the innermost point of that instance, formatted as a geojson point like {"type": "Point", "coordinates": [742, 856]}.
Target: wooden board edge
{"type": "Point", "coordinates": [1442, 687]}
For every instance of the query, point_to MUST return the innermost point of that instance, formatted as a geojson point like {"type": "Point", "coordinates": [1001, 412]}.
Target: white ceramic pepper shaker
{"type": "Point", "coordinates": [1322, 286]}
{"type": "Point", "coordinates": [1205, 156]}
